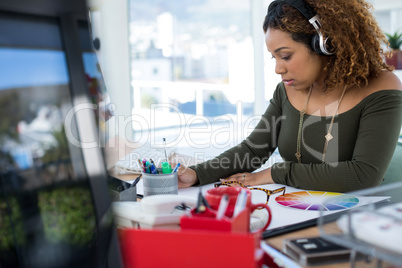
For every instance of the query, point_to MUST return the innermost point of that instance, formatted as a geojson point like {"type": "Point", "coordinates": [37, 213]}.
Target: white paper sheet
{"type": "Point", "coordinates": [281, 215]}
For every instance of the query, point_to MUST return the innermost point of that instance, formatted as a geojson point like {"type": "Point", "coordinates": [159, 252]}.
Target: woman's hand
{"type": "Point", "coordinates": [187, 177]}
{"type": "Point", "coordinates": [252, 179]}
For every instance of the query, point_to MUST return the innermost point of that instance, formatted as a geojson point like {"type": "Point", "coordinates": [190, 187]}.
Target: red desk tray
{"type": "Point", "coordinates": [190, 248]}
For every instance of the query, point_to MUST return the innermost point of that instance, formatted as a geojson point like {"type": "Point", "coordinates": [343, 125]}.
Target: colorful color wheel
{"type": "Point", "coordinates": [315, 200]}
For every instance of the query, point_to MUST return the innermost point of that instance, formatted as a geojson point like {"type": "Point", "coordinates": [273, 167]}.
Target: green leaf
{"type": "Point", "coordinates": [395, 40]}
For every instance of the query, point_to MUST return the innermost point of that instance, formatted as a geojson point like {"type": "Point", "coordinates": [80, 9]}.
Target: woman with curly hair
{"type": "Point", "coordinates": [335, 117]}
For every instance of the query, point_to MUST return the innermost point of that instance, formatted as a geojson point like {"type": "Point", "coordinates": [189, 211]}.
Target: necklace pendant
{"type": "Point", "coordinates": [298, 156]}
{"type": "Point", "coordinates": [328, 137]}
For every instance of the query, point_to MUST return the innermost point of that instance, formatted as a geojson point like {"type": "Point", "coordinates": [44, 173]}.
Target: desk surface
{"type": "Point", "coordinates": [276, 242]}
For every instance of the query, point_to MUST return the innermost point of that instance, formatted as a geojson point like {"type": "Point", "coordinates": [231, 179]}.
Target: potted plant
{"type": "Point", "coordinates": [394, 57]}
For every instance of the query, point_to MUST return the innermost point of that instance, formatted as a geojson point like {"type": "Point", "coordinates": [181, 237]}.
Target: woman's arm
{"type": "Point", "coordinates": [249, 154]}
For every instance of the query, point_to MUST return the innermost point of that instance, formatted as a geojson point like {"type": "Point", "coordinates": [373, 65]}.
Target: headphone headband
{"type": "Point", "coordinates": [301, 6]}
{"type": "Point", "coordinates": [320, 43]}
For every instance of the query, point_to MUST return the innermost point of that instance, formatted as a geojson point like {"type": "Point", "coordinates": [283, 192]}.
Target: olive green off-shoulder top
{"type": "Point", "coordinates": [364, 139]}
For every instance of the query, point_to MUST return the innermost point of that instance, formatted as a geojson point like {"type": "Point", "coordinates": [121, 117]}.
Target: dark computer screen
{"type": "Point", "coordinates": [54, 201]}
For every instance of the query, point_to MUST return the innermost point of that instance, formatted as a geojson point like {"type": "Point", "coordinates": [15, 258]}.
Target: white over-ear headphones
{"type": "Point", "coordinates": [319, 43]}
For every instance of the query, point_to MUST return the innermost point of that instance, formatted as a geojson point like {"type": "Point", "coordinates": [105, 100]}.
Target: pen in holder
{"type": "Point", "coordinates": [125, 191]}
{"type": "Point", "coordinates": [160, 183]}
{"type": "Point", "coordinates": [229, 222]}
{"type": "Point", "coordinates": [207, 221]}
{"type": "Point", "coordinates": [205, 231]}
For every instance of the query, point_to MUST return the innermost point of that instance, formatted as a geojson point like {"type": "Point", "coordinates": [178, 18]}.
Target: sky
{"type": "Point", "coordinates": [33, 67]}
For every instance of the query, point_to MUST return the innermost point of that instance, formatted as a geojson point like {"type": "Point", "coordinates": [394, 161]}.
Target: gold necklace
{"type": "Point", "coordinates": [302, 112]}
{"type": "Point", "coordinates": [328, 136]}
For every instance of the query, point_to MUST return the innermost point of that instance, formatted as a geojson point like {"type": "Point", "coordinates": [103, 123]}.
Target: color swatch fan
{"type": "Point", "coordinates": [315, 200]}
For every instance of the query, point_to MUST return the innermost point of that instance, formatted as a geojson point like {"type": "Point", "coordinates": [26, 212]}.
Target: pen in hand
{"type": "Point", "coordinates": [176, 168]}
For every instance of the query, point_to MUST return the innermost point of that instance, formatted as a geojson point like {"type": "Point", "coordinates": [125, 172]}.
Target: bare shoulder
{"type": "Point", "coordinates": [386, 80]}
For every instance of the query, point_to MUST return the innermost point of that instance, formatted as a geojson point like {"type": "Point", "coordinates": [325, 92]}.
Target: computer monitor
{"type": "Point", "coordinates": [54, 199]}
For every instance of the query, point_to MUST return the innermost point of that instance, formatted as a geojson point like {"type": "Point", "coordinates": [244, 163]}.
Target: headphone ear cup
{"type": "Point", "coordinates": [315, 44]}
{"type": "Point", "coordinates": [327, 45]}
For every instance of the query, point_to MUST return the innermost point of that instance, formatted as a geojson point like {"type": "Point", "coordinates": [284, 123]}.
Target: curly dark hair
{"type": "Point", "coordinates": [353, 31]}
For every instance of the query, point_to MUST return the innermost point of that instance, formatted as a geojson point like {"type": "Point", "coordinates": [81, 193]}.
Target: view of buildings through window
{"type": "Point", "coordinates": [197, 58]}
{"type": "Point", "coordinates": [204, 47]}
{"type": "Point", "coordinates": [192, 62]}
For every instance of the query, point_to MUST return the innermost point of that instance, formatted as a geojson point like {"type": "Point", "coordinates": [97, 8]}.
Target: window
{"type": "Point", "coordinates": [388, 14]}
{"type": "Point", "coordinates": [210, 58]}
{"type": "Point", "coordinates": [214, 77]}
{"type": "Point", "coordinates": [204, 52]}
{"type": "Point", "coordinates": [202, 49]}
